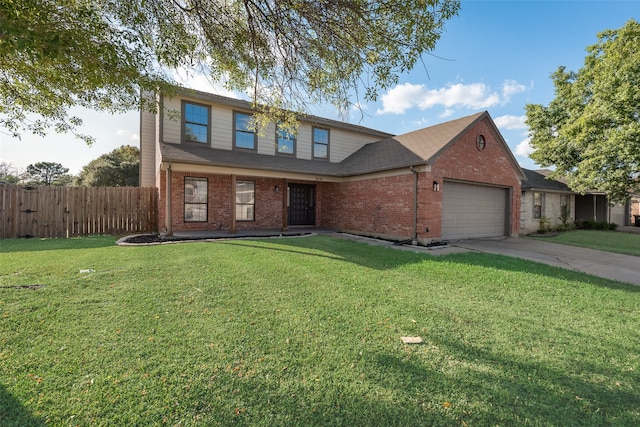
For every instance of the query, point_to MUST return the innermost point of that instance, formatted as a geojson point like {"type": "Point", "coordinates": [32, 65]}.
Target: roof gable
{"type": "Point", "coordinates": [422, 146]}
{"type": "Point", "coordinates": [429, 142]}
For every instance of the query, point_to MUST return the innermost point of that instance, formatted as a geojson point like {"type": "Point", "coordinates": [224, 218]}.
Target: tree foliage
{"type": "Point", "coordinates": [47, 173]}
{"type": "Point", "coordinates": [119, 168]}
{"type": "Point", "coordinates": [55, 54]}
{"type": "Point", "coordinates": [8, 173]}
{"type": "Point", "coordinates": [590, 132]}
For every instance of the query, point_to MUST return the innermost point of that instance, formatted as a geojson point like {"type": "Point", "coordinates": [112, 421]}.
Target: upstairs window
{"type": "Point", "coordinates": [195, 123]}
{"type": "Point", "coordinates": [286, 142]}
{"type": "Point", "coordinates": [243, 132]}
{"type": "Point", "coordinates": [320, 143]}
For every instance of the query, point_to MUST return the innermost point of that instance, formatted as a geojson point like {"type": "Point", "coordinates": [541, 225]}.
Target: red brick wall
{"type": "Point", "coordinates": [384, 206]}
{"type": "Point", "coordinates": [268, 203]}
{"type": "Point", "coordinates": [381, 206]}
{"type": "Point", "coordinates": [268, 210]}
{"type": "Point", "coordinates": [463, 161]}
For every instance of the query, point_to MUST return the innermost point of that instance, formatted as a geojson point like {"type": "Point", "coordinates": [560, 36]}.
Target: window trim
{"type": "Point", "coordinates": [246, 204]}
{"type": "Point", "coordinates": [295, 144]}
{"type": "Point", "coordinates": [538, 215]}
{"type": "Point", "coordinates": [255, 136]}
{"type": "Point", "coordinates": [185, 203]}
{"type": "Point", "coordinates": [313, 142]}
{"type": "Point", "coordinates": [184, 122]}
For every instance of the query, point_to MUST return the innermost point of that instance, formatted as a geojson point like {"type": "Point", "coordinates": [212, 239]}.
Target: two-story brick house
{"type": "Point", "coordinates": [454, 180]}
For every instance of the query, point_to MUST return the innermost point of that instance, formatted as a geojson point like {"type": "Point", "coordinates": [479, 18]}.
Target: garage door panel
{"type": "Point", "coordinates": [471, 211]}
{"type": "Point", "coordinates": [618, 214]}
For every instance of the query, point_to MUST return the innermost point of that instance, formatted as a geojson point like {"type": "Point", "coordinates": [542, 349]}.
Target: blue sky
{"type": "Point", "coordinates": [495, 56]}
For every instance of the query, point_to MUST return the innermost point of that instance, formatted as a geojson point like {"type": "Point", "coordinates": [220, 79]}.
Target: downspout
{"type": "Point", "coordinates": [414, 238]}
{"type": "Point", "coordinates": [168, 219]}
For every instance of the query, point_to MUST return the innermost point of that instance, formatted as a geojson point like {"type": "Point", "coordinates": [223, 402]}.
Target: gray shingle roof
{"type": "Point", "coordinates": [427, 143]}
{"type": "Point", "coordinates": [537, 180]}
{"type": "Point", "coordinates": [422, 146]}
{"type": "Point", "coordinates": [193, 154]}
{"type": "Point", "coordinates": [410, 149]}
{"type": "Point", "coordinates": [379, 156]}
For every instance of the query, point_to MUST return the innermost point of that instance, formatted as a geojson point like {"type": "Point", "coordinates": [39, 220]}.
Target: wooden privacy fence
{"type": "Point", "coordinates": [43, 211]}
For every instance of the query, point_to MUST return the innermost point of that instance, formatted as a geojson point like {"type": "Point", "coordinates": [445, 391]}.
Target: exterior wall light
{"type": "Point", "coordinates": [436, 186]}
{"type": "Point", "coordinates": [276, 189]}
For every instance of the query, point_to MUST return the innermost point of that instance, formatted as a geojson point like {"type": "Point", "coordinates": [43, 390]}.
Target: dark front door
{"type": "Point", "coordinates": [302, 210]}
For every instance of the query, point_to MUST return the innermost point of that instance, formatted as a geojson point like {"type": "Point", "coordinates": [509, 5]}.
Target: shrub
{"type": "Point", "coordinates": [564, 227]}
{"type": "Point", "coordinates": [593, 225]}
{"type": "Point", "coordinates": [544, 225]}
{"type": "Point", "coordinates": [565, 215]}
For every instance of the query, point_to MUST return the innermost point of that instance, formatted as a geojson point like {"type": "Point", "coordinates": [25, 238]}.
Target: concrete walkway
{"type": "Point", "coordinates": [623, 268]}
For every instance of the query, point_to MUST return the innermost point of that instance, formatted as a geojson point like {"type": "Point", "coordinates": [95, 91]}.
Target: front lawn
{"type": "Point", "coordinates": [610, 241]}
{"type": "Point", "coordinates": [307, 331]}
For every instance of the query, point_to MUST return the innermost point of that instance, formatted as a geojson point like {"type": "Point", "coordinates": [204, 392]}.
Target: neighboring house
{"type": "Point", "coordinates": [596, 207]}
{"type": "Point", "coordinates": [635, 210]}
{"type": "Point", "coordinates": [544, 200]}
{"type": "Point", "coordinates": [450, 181]}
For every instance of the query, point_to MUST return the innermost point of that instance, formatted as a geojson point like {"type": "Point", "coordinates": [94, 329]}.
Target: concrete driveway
{"type": "Point", "coordinates": [623, 268]}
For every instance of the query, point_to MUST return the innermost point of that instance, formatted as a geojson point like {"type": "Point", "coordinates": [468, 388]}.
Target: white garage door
{"type": "Point", "coordinates": [618, 214]}
{"type": "Point", "coordinates": [470, 211]}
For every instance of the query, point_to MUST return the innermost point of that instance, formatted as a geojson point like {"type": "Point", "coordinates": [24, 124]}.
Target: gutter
{"type": "Point", "coordinates": [168, 219]}
{"type": "Point", "coordinates": [414, 238]}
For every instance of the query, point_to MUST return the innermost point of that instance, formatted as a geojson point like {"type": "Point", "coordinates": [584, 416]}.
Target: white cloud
{"type": "Point", "coordinates": [524, 149]}
{"type": "Point", "coordinates": [401, 98]}
{"type": "Point", "coordinates": [511, 122]}
{"type": "Point", "coordinates": [474, 96]}
{"type": "Point", "coordinates": [200, 80]}
{"type": "Point", "coordinates": [358, 106]}
{"type": "Point", "coordinates": [446, 113]}
{"type": "Point", "coordinates": [421, 123]}
{"type": "Point", "coordinates": [124, 133]}
{"type": "Point", "coordinates": [511, 87]}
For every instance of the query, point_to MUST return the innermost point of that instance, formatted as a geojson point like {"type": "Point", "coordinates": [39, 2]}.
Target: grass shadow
{"type": "Point", "coordinates": [335, 248]}
{"type": "Point", "coordinates": [388, 258]}
{"type": "Point", "coordinates": [497, 389]}
{"type": "Point", "coordinates": [54, 244]}
{"type": "Point", "coordinates": [14, 414]}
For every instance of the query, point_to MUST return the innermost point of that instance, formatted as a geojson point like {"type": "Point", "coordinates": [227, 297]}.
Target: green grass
{"type": "Point", "coordinates": [306, 332]}
{"type": "Point", "coordinates": [610, 241]}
